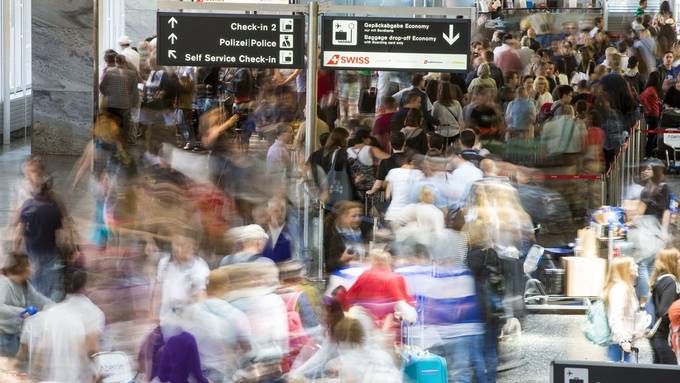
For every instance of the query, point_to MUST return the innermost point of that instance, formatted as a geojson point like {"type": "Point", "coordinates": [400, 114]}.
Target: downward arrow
{"type": "Point", "coordinates": [172, 38]}
{"type": "Point", "coordinates": [171, 54]}
{"type": "Point", "coordinates": [450, 38]}
{"type": "Point", "coordinates": [172, 22]}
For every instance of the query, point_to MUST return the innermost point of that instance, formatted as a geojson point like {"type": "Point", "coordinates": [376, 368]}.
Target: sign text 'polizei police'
{"type": "Point", "coordinates": [395, 43]}
{"type": "Point", "coordinates": [197, 39]}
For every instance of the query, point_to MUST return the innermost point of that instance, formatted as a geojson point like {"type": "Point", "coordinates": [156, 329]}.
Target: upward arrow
{"type": "Point", "coordinates": [172, 22]}
{"type": "Point", "coordinates": [172, 38]}
{"type": "Point", "coordinates": [450, 38]}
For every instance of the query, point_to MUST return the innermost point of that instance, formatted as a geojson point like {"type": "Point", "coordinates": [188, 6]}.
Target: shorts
{"type": "Point", "coordinates": [349, 91]}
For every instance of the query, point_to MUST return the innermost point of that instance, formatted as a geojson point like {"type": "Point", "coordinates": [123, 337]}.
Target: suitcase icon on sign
{"type": "Point", "coordinates": [575, 375]}
{"type": "Point", "coordinates": [345, 32]}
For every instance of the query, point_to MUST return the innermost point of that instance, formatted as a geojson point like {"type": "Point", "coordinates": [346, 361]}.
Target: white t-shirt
{"type": "Point", "coordinates": [180, 283]}
{"type": "Point", "coordinates": [362, 155]}
{"type": "Point", "coordinates": [218, 327]}
{"type": "Point", "coordinates": [462, 178]}
{"type": "Point", "coordinates": [421, 222]}
{"type": "Point", "coordinates": [401, 181]}
{"type": "Point", "coordinates": [268, 320]}
{"type": "Point", "coordinates": [56, 340]}
{"type": "Point", "coordinates": [424, 216]}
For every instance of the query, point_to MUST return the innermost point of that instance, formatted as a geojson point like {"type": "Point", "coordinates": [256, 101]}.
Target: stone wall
{"type": "Point", "coordinates": [140, 20]}
{"type": "Point", "coordinates": [62, 62]}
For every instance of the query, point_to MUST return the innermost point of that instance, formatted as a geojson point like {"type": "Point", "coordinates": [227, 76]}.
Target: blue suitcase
{"type": "Point", "coordinates": [424, 367]}
{"type": "Point", "coordinates": [420, 365]}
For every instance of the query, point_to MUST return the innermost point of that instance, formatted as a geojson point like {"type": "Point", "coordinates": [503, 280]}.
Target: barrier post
{"type": "Point", "coordinates": [320, 234]}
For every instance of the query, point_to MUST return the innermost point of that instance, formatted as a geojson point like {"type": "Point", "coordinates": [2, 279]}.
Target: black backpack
{"type": "Point", "coordinates": [487, 268]}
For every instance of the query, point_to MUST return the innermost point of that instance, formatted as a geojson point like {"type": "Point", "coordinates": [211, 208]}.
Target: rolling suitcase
{"type": "Point", "coordinates": [421, 366]}
{"type": "Point", "coordinates": [367, 101]}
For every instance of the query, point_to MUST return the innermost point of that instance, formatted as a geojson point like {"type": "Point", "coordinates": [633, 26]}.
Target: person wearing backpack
{"type": "Point", "coordinates": [448, 112]}
{"type": "Point", "coordinates": [665, 290]}
{"type": "Point", "coordinates": [622, 305]}
{"type": "Point", "coordinates": [416, 139]}
{"type": "Point", "coordinates": [487, 269]}
{"type": "Point", "coordinates": [303, 320]}
{"type": "Point", "coordinates": [364, 156]}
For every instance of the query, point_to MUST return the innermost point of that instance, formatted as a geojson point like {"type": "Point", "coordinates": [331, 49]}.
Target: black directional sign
{"type": "Point", "coordinates": [210, 39]}
{"type": "Point", "coordinates": [594, 372]}
{"type": "Point", "coordinates": [395, 43]}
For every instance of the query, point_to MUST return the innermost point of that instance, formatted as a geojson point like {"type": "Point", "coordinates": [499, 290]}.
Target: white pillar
{"type": "Point", "coordinates": [6, 62]}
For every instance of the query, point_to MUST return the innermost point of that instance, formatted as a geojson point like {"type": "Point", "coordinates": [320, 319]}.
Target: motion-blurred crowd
{"type": "Point", "coordinates": [249, 260]}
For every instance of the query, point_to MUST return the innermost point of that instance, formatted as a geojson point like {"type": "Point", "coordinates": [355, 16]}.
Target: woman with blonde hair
{"type": "Point", "coordinates": [622, 306]}
{"type": "Point", "coordinates": [665, 290]}
{"type": "Point", "coordinates": [541, 94]}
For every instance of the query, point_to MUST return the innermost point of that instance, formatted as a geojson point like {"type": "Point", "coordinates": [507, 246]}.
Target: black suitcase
{"type": "Point", "coordinates": [367, 101]}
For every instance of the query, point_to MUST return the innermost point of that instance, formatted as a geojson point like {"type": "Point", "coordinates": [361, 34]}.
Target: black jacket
{"type": "Point", "coordinates": [334, 245]}
{"type": "Point", "coordinates": [664, 293]}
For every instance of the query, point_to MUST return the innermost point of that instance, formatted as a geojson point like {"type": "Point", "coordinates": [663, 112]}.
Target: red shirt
{"type": "Point", "coordinates": [649, 99]}
{"type": "Point", "coordinates": [381, 130]}
{"type": "Point", "coordinates": [595, 141]}
{"type": "Point", "coordinates": [378, 290]}
{"type": "Point", "coordinates": [325, 84]}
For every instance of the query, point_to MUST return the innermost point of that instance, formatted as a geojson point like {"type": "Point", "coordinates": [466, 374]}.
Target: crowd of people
{"type": "Point", "coordinates": [427, 185]}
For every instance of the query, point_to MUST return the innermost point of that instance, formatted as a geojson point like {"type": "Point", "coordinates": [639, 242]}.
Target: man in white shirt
{"type": "Point", "coordinates": [278, 158]}
{"type": "Point", "coordinates": [599, 25]}
{"type": "Point", "coordinates": [222, 331]}
{"type": "Point", "coordinates": [182, 276]}
{"type": "Point", "coordinates": [525, 52]}
{"type": "Point", "coordinates": [130, 54]}
{"type": "Point", "coordinates": [60, 341]}
{"type": "Point", "coordinates": [462, 177]}
{"type": "Point", "coordinates": [252, 291]}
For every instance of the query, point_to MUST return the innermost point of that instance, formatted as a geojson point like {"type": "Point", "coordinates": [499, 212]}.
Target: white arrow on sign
{"type": "Point", "coordinates": [172, 22]}
{"type": "Point", "coordinates": [172, 38]}
{"type": "Point", "coordinates": [171, 54]}
{"type": "Point", "coordinates": [450, 38]}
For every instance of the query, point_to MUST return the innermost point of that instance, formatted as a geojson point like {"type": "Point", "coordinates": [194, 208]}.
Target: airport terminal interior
{"type": "Point", "coordinates": [360, 191]}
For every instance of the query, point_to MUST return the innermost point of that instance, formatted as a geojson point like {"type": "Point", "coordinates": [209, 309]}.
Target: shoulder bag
{"type": "Point", "coordinates": [337, 184]}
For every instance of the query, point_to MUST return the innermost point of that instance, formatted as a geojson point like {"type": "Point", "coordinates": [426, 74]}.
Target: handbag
{"type": "Point", "coordinates": [447, 128]}
{"type": "Point", "coordinates": [337, 185]}
{"type": "Point", "coordinates": [597, 328]}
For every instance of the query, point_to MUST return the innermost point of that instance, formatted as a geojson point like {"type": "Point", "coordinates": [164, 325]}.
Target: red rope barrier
{"type": "Point", "coordinates": [590, 177]}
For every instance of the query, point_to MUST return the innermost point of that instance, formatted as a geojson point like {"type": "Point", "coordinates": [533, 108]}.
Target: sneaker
{"type": "Point", "coordinates": [188, 146]}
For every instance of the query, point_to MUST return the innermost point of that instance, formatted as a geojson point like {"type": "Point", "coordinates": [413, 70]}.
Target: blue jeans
{"type": "Point", "coordinates": [615, 354]}
{"type": "Point", "coordinates": [645, 269]}
{"type": "Point", "coordinates": [47, 274]}
{"type": "Point", "coordinates": [463, 356]}
{"type": "Point", "coordinates": [491, 352]}
{"type": "Point", "coordinates": [9, 344]}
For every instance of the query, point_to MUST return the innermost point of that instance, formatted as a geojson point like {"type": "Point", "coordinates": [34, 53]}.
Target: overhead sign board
{"type": "Point", "coordinates": [212, 39]}
{"type": "Point", "coordinates": [395, 43]}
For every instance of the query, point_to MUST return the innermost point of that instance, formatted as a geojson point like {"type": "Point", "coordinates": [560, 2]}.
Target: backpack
{"type": "Point", "coordinates": [297, 336]}
{"type": "Point", "coordinates": [545, 113]}
{"type": "Point", "coordinates": [488, 270]}
{"type": "Point", "coordinates": [674, 335]}
{"type": "Point", "coordinates": [597, 329]}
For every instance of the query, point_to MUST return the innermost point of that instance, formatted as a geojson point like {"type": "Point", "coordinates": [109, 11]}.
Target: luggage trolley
{"type": "Point", "coordinates": [672, 143]}
{"type": "Point", "coordinates": [668, 144]}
